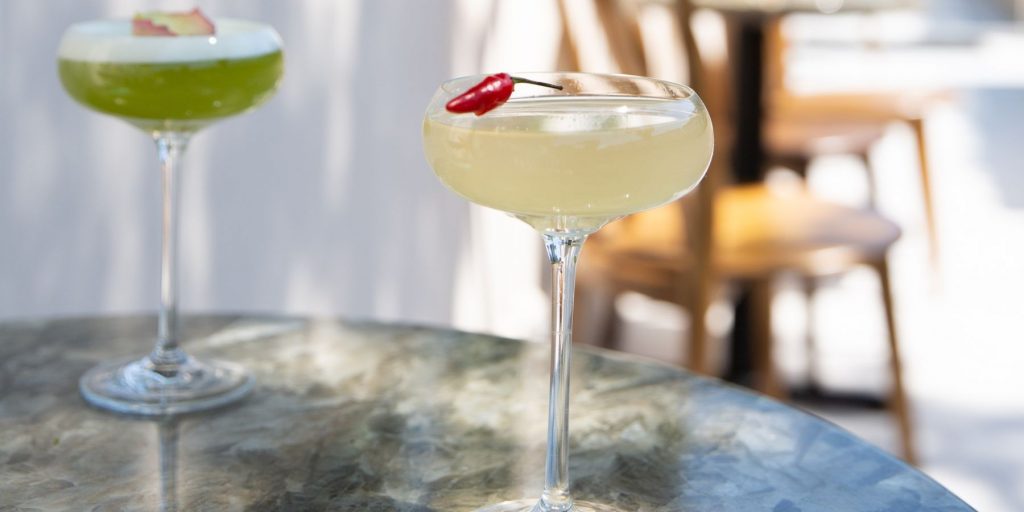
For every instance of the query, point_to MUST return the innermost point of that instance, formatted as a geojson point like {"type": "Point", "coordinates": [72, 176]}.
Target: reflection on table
{"type": "Point", "coordinates": [359, 416]}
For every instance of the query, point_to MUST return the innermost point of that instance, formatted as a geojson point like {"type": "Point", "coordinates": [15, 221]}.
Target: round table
{"type": "Point", "coordinates": [373, 417]}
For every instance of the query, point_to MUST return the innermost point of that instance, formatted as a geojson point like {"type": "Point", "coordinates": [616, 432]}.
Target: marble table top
{"type": "Point", "coordinates": [369, 417]}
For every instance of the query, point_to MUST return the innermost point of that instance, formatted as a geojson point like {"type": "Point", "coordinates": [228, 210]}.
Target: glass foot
{"type": "Point", "coordinates": [135, 387]}
{"type": "Point", "coordinates": [535, 506]}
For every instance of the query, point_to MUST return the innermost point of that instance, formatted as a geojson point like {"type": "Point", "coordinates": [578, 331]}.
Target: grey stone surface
{"type": "Point", "coordinates": [359, 416]}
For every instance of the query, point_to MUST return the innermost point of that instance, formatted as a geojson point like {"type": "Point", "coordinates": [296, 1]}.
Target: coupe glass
{"type": "Point", "coordinates": [567, 162]}
{"type": "Point", "coordinates": [169, 87]}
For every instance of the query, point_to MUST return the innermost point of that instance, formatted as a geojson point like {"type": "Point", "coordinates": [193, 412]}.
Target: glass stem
{"type": "Point", "coordinates": [563, 251]}
{"type": "Point", "coordinates": [167, 355]}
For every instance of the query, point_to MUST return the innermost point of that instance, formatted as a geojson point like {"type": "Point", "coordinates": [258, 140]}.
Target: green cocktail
{"type": "Point", "coordinates": [173, 95]}
{"type": "Point", "coordinates": [169, 83]}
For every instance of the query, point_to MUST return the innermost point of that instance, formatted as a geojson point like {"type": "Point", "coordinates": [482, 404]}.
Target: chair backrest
{"type": "Point", "coordinates": [603, 35]}
{"type": "Point", "coordinates": [626, 32]}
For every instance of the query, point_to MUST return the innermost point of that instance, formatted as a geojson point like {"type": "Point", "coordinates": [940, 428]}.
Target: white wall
{"type": "Point", "coordinates": [320, 202]}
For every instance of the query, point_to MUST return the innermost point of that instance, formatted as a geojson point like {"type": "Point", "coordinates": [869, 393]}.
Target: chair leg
{"type": "Point", "coordinates": [607, 323]}
{"type": "Point", "coordinates": [898, 400]}
{"type": "Point", "coordinates": [697, 353]}
{"type": "Point", "coordinates": [917, 124]}
{"type": "Point", "coordinates": [595, 320]}
{"type": "Point", "coordinates": [802, 166]}
{"type": "Point", "coordinates": [612, 325]}
{"type": "Point", "coordinates": [869, 171]}
{"type": "Point", "coordinates": [810, 342]}
{"type": "Point", "coordinates": [766, 380]}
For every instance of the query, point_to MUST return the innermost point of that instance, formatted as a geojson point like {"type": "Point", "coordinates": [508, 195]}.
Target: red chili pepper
{"type": "Point", "coordinates": [489, 94]}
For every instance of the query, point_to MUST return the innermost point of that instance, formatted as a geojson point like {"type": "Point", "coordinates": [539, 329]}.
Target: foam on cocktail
{"type": "Point", "coordinates": [112, 41]}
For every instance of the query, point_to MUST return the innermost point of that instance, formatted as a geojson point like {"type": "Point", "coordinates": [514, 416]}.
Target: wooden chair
{"type": "Point", "coordinates": [686, 251]}
{"type": "Point", "coordinates": [857, 112]}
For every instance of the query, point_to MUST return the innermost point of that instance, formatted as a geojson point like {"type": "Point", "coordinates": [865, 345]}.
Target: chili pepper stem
{"type": "Point", "coordinates": [520, 80]}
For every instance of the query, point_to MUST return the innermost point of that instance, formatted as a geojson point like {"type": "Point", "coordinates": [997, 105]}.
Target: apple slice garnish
{"type": "Point", "coordinates": [156, 23]}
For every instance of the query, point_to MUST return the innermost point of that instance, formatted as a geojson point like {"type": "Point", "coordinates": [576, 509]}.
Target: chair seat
{"type": "Point", "coordinates": [758, 230]}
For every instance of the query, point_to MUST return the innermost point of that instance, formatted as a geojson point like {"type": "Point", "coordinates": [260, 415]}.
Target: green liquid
{"type": "Point", "coordinates": [173, 95]}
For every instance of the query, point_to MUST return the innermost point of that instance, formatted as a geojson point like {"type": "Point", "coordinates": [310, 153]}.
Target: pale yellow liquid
{"type": "Point", "coordinates": [572, 162]}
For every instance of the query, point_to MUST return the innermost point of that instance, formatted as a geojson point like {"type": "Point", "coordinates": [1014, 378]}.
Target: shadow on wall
{"type": "Point", "coordinates": [319, 202]}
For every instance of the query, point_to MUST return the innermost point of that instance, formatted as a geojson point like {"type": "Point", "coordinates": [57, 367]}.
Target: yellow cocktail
{"type": "Point", "coordinates": [567, 159]}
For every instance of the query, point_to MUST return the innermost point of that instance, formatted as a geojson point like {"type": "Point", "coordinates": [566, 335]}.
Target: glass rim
{"type": "Point", "coordinates": [91, 26]}
{"type": "Point", "coordinates": [456, 85]}
{"type": "Point", "coordinates": [110, 40]}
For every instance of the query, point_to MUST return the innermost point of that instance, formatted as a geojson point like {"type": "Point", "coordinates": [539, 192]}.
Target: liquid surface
{"type": "Point", "coordinates": [578, 160]}
{"type": "Point", "coordinates": [170, 83]}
